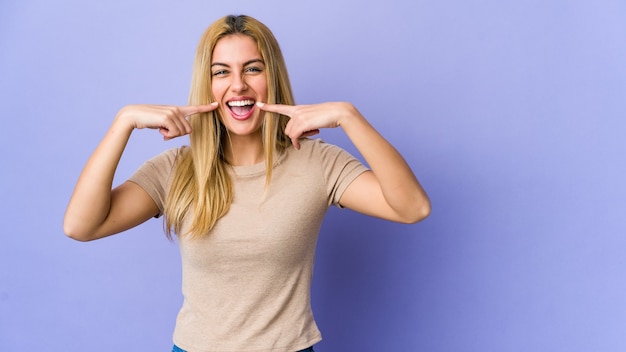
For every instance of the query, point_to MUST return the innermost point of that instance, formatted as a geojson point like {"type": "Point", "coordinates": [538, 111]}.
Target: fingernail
{"type": "Point", "coordinates": [214, 103]}
{"type": "Point", "coordinates": [259, 104]}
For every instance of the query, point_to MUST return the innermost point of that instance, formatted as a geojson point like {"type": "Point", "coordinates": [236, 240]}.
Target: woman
{"type": "Point", "coordinates": [246, 199]}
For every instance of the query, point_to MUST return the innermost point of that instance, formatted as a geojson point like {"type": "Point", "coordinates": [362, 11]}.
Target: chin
{"type": "Point", "coordinates": [244, 131]}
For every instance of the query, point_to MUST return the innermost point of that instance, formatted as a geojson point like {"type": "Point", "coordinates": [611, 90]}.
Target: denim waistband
{"type": "Point", "coordinates": [178, 349]}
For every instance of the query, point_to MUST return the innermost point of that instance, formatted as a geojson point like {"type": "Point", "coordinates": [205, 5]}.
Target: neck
{"type": "Point", "coordinates": [243, 150]}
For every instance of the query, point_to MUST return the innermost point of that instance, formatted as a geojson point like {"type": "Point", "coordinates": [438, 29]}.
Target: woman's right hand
{"type": "Point", "coordinates": [94, 210]}
{"type": "Point", "coordinates": [170, 120]}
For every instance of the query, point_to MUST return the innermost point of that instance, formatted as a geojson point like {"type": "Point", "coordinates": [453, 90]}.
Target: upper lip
{"type": "Point", "coordinates": [240, 99]}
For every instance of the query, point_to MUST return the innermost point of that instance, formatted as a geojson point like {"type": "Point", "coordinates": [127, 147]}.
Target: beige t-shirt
{"type": "Point", "coordinates": [246, 285]}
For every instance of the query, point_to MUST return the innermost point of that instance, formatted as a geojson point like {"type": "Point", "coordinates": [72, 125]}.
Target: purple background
{"type": "Point", "coordinates": [510, 112]}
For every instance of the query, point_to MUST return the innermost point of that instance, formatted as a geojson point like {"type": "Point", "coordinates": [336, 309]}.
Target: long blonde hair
{"type": "Point", "coordinates": [201, 186]}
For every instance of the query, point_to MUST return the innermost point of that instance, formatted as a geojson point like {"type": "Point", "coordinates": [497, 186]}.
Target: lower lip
{"type": "Point", "coordinates": [241, 117]}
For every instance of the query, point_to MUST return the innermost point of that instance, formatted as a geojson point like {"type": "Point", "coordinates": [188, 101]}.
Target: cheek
{"type": "Point", "coordinates": [260, 86]}
{"type": "Point", "coordinates": [218, 90]}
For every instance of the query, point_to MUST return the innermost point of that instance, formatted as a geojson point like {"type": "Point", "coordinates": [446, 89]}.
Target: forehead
{"type": "Point", "coordinates": [235, 48]}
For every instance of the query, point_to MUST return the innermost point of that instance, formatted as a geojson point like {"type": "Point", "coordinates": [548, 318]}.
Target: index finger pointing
{"type": "Point", "coordinates": [277, 108]}
{"type": "Point", "coordinates": [196, 109]}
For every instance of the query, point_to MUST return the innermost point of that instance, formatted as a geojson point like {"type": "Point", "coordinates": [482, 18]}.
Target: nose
{"type": "Point", "coordinates": [238, 84]}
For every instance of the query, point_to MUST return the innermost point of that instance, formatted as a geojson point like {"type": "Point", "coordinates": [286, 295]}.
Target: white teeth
{"type": "Point", "coordinates": [240, 102]}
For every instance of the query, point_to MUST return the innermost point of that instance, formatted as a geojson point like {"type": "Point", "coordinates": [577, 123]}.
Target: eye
{"type": "Point", "coordinates": [253, 70]}
{"type": "Point", "coordinates": [220, 72]}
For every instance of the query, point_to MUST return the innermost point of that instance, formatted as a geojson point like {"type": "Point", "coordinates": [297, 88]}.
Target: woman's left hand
{"type": "Point", "coordinates": [306, 120]}
{"type": "Point", "coordinates": [390, 190]}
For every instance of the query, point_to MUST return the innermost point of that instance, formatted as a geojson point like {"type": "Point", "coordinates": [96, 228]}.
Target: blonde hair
{"type": "Point", "coordinates": [201, 190]}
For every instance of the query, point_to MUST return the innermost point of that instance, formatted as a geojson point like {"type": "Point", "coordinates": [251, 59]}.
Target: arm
{"type": "Point", "coordinates": [390, 191]}
{"type": "Point", "coordinates": [94, 210]}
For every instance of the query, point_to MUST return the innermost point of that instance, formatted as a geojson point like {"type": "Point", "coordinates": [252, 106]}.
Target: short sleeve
{"type": "Point", "coordinates": [340, 169]}
{"type": "Point", "coordinates": [154, 176]}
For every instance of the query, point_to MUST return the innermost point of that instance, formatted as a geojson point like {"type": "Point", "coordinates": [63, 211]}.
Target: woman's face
{"type": "Point", "coordinates": [238, 82]}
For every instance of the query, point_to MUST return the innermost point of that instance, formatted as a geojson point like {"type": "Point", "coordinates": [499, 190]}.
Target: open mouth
{"type": "Point", "coordinates": [241, 108]}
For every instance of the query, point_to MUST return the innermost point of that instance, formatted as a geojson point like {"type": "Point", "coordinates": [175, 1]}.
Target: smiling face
{"type": "Point", "coordinates": [238, 81]}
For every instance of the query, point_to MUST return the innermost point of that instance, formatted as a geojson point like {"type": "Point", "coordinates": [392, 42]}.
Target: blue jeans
{"type": "Point", "coordinates": [178, 349]}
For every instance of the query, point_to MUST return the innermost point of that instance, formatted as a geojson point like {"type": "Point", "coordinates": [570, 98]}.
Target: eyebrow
{"type": "Point", "coordinates": [249, 62]}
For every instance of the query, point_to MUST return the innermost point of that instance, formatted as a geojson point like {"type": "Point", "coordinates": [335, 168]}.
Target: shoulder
{"type": "Point", "coordinates": [161, 165]}
{"type": "Point", "coordinates": [169, 156]}
{"type": "Point", "coordinates": [324, 151]}
{"type": "Point", "coordinates": [326, 155]}
{"type": "Point", "coordinates": [317, 146]}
